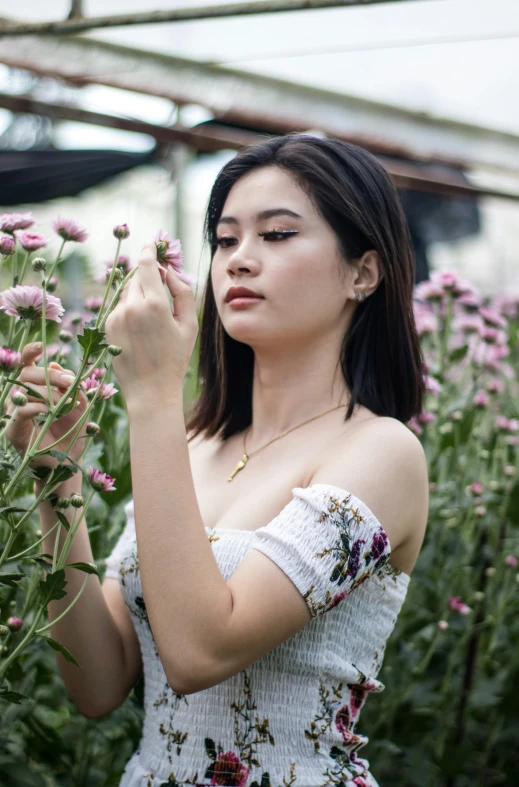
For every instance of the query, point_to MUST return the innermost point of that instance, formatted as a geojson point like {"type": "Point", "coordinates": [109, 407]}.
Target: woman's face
{"type": "Point", "coordinates": [272, 241]}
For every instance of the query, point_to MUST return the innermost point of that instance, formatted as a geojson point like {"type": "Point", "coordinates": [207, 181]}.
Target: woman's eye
{"type": "Point", "coordinates": [276, 235]}
{"type": "Point", "coordinates": [225, 242]}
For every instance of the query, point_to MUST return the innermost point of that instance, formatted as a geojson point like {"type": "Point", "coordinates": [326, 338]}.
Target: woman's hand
{"type": "Point", "coordinates": [156, 344]}
{"type": "Point", "coordinates": [20, 429]}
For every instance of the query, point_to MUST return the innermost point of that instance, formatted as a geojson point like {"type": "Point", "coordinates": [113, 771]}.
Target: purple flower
{"type": "Point", "coordinates": [456, 603]}
{"type": "Point", "coordinates": [25, 302]}
{"type": "Point", "coordinates": [9, 359]}
{"type": "Point", "coordinates": [169, 251]}
{"type": "Point", "coordinates": [31, 241]}
{"type": "Point", "coordinates": [10, 222]}
{"type": "Point", "coordinates": [7, 245]}
{"type": "Point", "coordinates": [354, 561]}
{"type": "Point", "coordinates": [94, 303]}
{"type": "Point", "coordinates": [379, 544]}
{"type": "Point", "coordinates": [121, 231]}
{"type": "Point", "coordinates": [101, 482]}
{"type": "Point", "coordinates": [68, 229]}
{"type": "Point", "coordinates": [511, 560]}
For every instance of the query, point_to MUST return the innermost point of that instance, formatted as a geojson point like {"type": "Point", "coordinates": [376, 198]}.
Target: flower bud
{"type": "Point", "coordinates": [39, 264]}
{"type": "Point", "coordinates": [19, 399]}
{"type": "Point", "coordinates": [443, 625]}
{"type": "Point", "coordinates": [7, 245]}
{"type": "Point", "coordinates": [38, 533]}
{"type": "Point", "coordinates": [494, 485]}
{"type": "Point", "coordinates": [92, 428]}
{"type": "Point", "coordinates": [511, 560]}
{"type": "Point", "coordinates": [3, 631]}
{"type": "Point", "coordinates": [490, 571]}
{"type": "Point", "coordinates": [445, 428]}
{"type": "Point", "coordinates": [90, 394]}
{"type": "Point", "coordinates": [76, 319]}
{"type": "Point", "coordinates": [478, 595]}
{"type": "Point", "coordinates": [14, 623]}
{"type": "Point", "coordinates": [121, 231]}
{"type": "Point", "coordinates": [65, 336]}
{"type": "Point", "coordinates": [509, 470]}
{"type": "Point", "coordinates": [63, 502]}
{"type": "Point", "coordinates": [115, 350]}
{"type": "Point", "coordinates": [480, 510]}
{"type": "Point", "coordinates": [76, 501]}
{"type": "Point", "coordinates": [52, 284]}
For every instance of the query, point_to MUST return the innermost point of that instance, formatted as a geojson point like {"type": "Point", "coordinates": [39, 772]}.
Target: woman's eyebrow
{"type": "Point", "coordinates": [263, 215]}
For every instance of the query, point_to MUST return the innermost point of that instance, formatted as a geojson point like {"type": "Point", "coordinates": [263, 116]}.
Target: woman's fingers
{"type": "Point", "coordinates": [30, 352]}
{"type": "Point", "coordinates": [36, 375]}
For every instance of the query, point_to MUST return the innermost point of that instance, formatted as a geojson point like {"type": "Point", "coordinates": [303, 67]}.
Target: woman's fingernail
{"type": "Point", "coordinates": [67, 379]}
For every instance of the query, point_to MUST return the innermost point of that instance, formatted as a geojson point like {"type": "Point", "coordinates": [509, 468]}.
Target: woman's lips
{"type": "Point", "coordinates": [242, 302]}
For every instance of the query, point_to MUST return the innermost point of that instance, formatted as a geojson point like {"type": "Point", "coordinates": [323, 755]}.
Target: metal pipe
{"type": "Point", "coordinates": [78, 25]}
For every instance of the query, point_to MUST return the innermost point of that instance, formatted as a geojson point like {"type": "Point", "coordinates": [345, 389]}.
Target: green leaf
{"type": "Point", "coordinates": [92, 340]}
{"type": "Point", "coordinates": [89, 568]}
{"type": "Point", "coordinates": [458, 353]}
{"type": "Point", "coordinates": [11, 510]}
{"type": "Point", "coordinates": [63, 519]}
{"type": "Point", "coordinates": [13, 696]}
{"type": "Point", "coordinates": [39, 558]}
{"type": "Point", "coordinates": [10, 579]}
{"type": "Point", "coordinates": [61, 648]}
{"type": "Point", "coordinates": [53, 586]}
{"type": "Point", "coordinates": [29, 389]}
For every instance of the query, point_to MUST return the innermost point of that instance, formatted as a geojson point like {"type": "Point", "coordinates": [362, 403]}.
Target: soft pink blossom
{"type": "Point", "coordinates": [121, 231]}
{"type": "Point", "coordinates": [169, 251]}
{"type": "Point", "coordinates": [432, 385]}
{"type": "Point", "coordinates": [14, 623]}
{"type": "Point", "coordinates": [456, 603]}
{"type": "Point", "coordinates": [507, 304]}
{"type": "Point", "coordinates": [426, 321]}
{"type": "Point", "coordinates": [495, 385]}
{"type": "Point", "coordinates": [493, 318]}
{"type": "Point", "coordinates": [31, 241]}
{"type": "Point", "coordinates": [55, 349]}
{"type": "Point", "coordinates": [470, 301]}
{"type": "Point", "coordinates": [10, 222]}
{"type": "Point", "coordinates": [98, 372]}
{"type": "Point", "coordinates": [449, 281]}
{"type": "Point", "coordinates": [509, 470]}
{"type": "Point", "coordinates": [101, 482]}
{"type": "Point", "coordinates": [493, 336]}
{"type": "Point", "coordinates": [106, 390]}
{"type": "Point", "coordinates": [467, 323]}
{"type": "Point", "coordinates": [25, 302]}
{"type": "Point", "coordinates": [443, 625]}
{"type": "Point", "coordinates": [512, 561]}
{"type": "Point", "coordinates": [7, 245]}
{"type": "Point", "coordinates": [426, 418]}
{"type": "Point", "coordinates": [93, 303]}
{"type": "Point", "coordinates": [414, 426]}
{"type": "Point", "coordinates": [477, 488]}
{"type": "Point", "coordinates": [481, 399]}
{"type": "Point", "coordinates": [9, 359]}
{"type": "Point", "coordinates": [427, 291]}
{"type": "Point", "coordinates": [68, 229]}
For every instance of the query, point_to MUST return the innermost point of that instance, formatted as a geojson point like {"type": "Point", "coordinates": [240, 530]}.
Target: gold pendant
{"type": "Point", "coordinates": [241, 464]}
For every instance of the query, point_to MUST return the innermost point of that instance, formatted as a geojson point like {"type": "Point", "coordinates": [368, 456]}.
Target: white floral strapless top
{"type": "Point", "coordinates": [290, 718]}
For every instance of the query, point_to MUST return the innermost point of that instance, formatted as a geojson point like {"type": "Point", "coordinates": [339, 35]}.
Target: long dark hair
{"type": "Point", "coordinates": [381, 357]}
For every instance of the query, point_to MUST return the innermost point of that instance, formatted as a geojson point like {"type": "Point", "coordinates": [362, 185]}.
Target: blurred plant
{"type": "Point", "coordinates": [450, 714]}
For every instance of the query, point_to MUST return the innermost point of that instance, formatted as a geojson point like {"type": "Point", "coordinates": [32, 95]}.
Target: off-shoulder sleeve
{"type": "Point", "coordinates": [327, 542]}
{"type": "Point", "coordinates": [123, 545]}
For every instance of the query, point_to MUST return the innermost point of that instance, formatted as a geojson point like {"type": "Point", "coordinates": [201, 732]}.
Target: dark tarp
{"type": "Point", "coordinates": [32, 176]}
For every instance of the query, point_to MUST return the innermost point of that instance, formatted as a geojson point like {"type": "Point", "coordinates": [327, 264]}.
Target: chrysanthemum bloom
{"type": "Point", "coordinates": [55, 349]}
{"type": "Point", "coordinates": [32, 241]}
{"type": "Point", "coordinates": [456, 603]}
{"type": "Point", "coordinates": [481, 399]}
{"type": "Point", "coordinates": [477, 488]}
{"type": "Point", "coordinates": [507, 304]}
{"type": "Point", "coordinates": [426, 291]}
{"type": "Point", "coordinates": [94, 303]}
{"type": "Point", "coordinates": [432, 385]}
{"type": "Point", "coordinates": [511, 560]}
{"type": "Point", "coordinates": [492, 318]}
{"type": "Point", "coordinates": [68, 229]}
{"type": "Point", "coordinates": [426, 321]}
{"type": "Point", "coordinates": [101, 482]}
{"type": "Point", "coordinates": [121, 231]}
{"type": "Point", "coordinates": [9, 359]}
{"type": "Point", "coordinates": [169, 251]}
{"type": "Point", "coordinates": [98, 372]}
{"type": "Point", "coordinates": [25, 303]}
{"type": "Point", "coordinates": [106, 390]}
{"type": "Point", "coordinates": [426, 418]}
{"type": "Point", "coordinates": [7, 245]}
{"type": "Point", "coordinates": [14, 623]}
{"type": "Point", "coordinates": [470, 301]}
{"type": "Point", "coordinates": [495, 385]}
{"type": "Point", "coordinates": [414, 426]}
{"type": "Point", "coordinates": [467, 323]}
{"type": "Point", "coordinates": [449, 281]}
{"type": "Point", "coordinates": [10, 222]}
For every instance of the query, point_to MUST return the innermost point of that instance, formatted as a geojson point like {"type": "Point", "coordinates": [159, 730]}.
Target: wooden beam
{"type": "Point", "coordinates": [78, 24]}
{"type": "Point", "coordinates": [405, 175]}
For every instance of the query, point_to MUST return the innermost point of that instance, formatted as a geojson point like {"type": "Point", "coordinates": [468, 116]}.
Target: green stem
{"type": "Point", "coordinates": [109, 284]}
{"type": "Point", "coordinates": [21, 554]}
{"type": "Point", "coordinates": [72, 532]}
{"type": "Point", "coordinates": [21, 645]}
{"type": "Point", "coordinates": [56, 620]}
{"type": "Point", "coordinates": [53, 266]}
{"type": "Point", "coordinates": [44, 339]}
{"type": "Point", "coordinates": [19, 279]}
{"type": "Point", "coordinates": [114, 299]}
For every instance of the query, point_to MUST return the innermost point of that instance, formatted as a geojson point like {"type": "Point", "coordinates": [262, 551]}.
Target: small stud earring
{"type": "Point", "coordinates": [359, 296]}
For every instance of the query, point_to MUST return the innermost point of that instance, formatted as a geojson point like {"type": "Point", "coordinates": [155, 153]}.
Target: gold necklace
{"type": "Point", "coordinates": [243, 461]}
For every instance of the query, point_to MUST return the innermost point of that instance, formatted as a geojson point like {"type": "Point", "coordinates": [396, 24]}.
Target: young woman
{"type": "Point", "coordinates": [266, 558]}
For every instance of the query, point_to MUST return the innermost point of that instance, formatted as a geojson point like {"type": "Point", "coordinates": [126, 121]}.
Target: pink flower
{"type": "Point", "coordinates": [94, 303]}
{"type": "Point", "coordinates": [169, 251]}
{"type": "Point", "coordinates": [481, 399]}
{"type": "Point", "coordinates": [98, 373]}
{"type": "Point", "coordinates": [414, 426]}
{"type": "Point", "coordinates": [68, 229]}
{"type": "Point", "coordinates": [9, 359]}
{"type": "Point", "coordinates": [495, 385]}
{"type": "Point", "coordinates": [54, 349]}
{"type": "Point", "coordinates": [477, 488]}
{"type": "Point", "coordinates": [101, 482]}
{"type": "Point", "coordinates": [10, 222]}
{"type": "Point", "coordinates": [467, 323]}
{"type": "Point", "coordinates": [492, 336]}
{"type": "Point", "coordinates": [493, 318]}
{"type": "Point", "coordinates": [228, 769]}
{"type": "Point", "coordinates": [7, 245]}
{"type": "Point", "coordinates": [426, 321]}
{"type": "Point", "coordinates": [106, 390]}
{"type": "Point", "coordinates": [450, 282]}
{"type": "Point", "coordinates": [470, 301]}
{"type": "Point", "coordinates": [121, 231]}
{"type": "Point", "coordinates": [14, 623]}
{"type": "Point", "coordinates": [511, 560]}
{"type": "Point", "coordinates": [426, 418]}
{"type": "Point", "coordinates": [25, 302]}
{"type": "Point", "coordinates": [426, 291]}
{"type": "Point", "coordinates": [443, 625]}
{"type": "Point", "coordinates": [432, 385]}
{"type": "Point", "coordinates": [31, 241]}
{"type": "Point", "coordinates": [456, 603]}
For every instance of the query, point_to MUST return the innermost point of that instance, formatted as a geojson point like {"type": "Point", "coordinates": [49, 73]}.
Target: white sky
{"type": "Point", "coordinates": [388, 52]}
